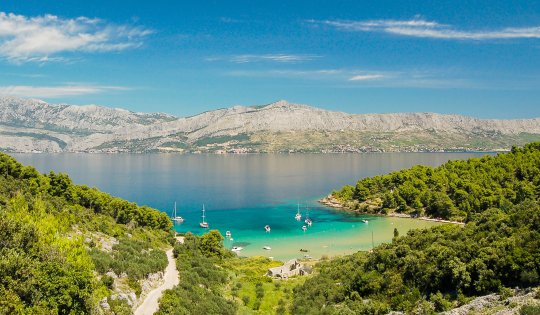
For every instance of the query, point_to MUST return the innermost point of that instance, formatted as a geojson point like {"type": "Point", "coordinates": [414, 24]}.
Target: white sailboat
{"type": "Point", "coordinates": [177, 218]}
{"type": "Point", "coordinates": [203, 224]}
{"type": "Point", "coordinates": [298, 216]}
{"type": "Point", "coordinates": [308, 220]}
{"type": "Point", "coordinates": [267, 228]}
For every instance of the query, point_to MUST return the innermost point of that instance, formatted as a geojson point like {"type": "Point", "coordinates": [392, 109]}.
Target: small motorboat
{"type": "Point", "coordinates": [228, 234]}
{"type": "Point", "coordinates": [303, 250]}
{"type": "Point", "coordinates": [267, 248]}
{"type": "Point", "coordinates": [304, 228]}
{"type": "Point", "coordinates": [365, 221]}
{"type": "Point", "coordinates": [237, 248]}
{"type": "Point", "coordinates": [307, 257]}
{"type": "Point", "coordinates": [267, 228]}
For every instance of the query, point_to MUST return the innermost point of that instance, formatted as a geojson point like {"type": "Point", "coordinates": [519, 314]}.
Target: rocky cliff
{"type": "Point", "coordinates": [28, 125]}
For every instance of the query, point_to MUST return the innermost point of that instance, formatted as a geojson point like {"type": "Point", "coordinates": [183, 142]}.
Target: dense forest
{"type": "Point", "coordinates": [455, 190]}
{"type": "Point", "coordinates": [65, 247]}
{"type": "Point", "coordinates": [431, 270]}
{"type": "Point", "coordinates": [436, 269]}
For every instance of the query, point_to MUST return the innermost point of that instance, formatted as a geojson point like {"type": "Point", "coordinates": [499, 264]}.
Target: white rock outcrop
{"type": "Point", "coordinates": [28, 125]}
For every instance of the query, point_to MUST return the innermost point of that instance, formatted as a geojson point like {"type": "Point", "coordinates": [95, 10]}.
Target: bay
{"type": "Point", "coordinates": [243, 193]}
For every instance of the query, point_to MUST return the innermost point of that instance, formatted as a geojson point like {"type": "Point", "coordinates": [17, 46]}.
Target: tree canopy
{"type": "Point", "coordinates": [455, 190]}
{"type": "Point", "coordinates": [49, 263]}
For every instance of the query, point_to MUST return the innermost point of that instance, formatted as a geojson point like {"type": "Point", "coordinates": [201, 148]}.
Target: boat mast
{"type": "Point", "coordinates": [175, 209]}
{"type": "Point", "coordinates": [203, 213]}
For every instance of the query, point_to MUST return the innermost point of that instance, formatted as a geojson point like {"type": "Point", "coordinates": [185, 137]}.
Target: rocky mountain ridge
{"type": "Point", "coordinates": [28, 125]}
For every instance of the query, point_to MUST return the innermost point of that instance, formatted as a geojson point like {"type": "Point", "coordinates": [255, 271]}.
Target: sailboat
{"type": "Point", "coordinates": [203, 224]}
{"type": "Point", "coordinates": [176, 218]}
{"type": "Point", "coordinates": [308, 220]}
{"type": "Point", "coordinates": [267, 228]}
{"type": "Point", "coordinates": [298, 216]}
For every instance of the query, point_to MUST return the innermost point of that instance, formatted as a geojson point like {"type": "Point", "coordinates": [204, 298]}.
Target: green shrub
{"type": "Point", "coordinates": [530, 309]}
{"type": "Point", "coordinates": [120, 307]}
{"type": "Point", "coordinates": [135, 285]}
{"type": "Point", "coordinates": [257, 305]}
{"type": "Point", "coordinates": [107, 281]}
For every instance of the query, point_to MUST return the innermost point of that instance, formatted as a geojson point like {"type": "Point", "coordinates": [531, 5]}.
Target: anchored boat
{"type": "Point", "coordinates": [308, 220]}
{"type": "Point", "coordinates": [177, 218]}
{"type": "Point", "coordinates": [298, 216]}
{"type": "Point", "coordinates": [204, 224]}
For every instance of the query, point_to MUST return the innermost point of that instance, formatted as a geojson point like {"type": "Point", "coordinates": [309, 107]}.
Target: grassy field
{"type": "Point", "coordinates": [257, 293]}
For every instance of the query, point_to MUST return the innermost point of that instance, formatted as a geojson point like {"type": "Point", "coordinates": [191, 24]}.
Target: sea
{"type": "Point", "coordinates": [244, 193]}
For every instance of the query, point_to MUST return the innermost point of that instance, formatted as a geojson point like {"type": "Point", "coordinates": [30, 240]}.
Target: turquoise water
{"type": "Point", "coordinates": [243, 193]}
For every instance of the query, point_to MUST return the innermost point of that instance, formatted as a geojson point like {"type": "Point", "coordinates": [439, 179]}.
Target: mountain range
{"type": "Point", "coordinates": [29, 125]}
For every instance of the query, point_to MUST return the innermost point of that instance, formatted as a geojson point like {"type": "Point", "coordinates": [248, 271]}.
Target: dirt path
{"type": "Point", "coordinates": [150, 304]}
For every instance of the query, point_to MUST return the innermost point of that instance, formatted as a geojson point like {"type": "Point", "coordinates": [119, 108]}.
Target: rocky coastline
{"type": "Point", "coordinates": [332, 202]}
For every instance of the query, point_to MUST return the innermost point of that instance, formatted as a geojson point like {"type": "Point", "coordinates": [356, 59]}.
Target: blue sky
{"type": "Point", "coordinates": [479, 58]}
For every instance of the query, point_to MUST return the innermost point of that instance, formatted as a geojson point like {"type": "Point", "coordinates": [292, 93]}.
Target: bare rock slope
{"type": "Point", "coordinates": [28, 125]}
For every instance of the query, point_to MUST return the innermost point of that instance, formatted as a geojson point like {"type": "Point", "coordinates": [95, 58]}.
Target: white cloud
{"type": "Point", "coordinates": [24, 39]}
{"type": "Point", "coordinates": [281, 58]}
{"type": "Point", "coordinates": [366, 77]}
{"type": "Point", "coordinates": [288, 73]}
{"type": "Point", "coordinates": [419, 27]}
{"type": "Point", "coordinates": [358, 78]}
{"type": "Point", "coordinates": [56, 91]}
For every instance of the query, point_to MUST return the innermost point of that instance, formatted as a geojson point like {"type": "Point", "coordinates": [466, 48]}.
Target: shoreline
{"type": "Point", "coordinates": [332, 202]}
{"type": "Point", "coordinates": [36, 152]}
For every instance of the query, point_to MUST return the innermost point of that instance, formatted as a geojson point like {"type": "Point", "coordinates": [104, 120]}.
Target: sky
{"type": "Point", "coordinates": [477, 58]}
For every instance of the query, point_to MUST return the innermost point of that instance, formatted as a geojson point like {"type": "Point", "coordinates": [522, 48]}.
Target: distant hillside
{"type": "Point", "coordinates": [32, 125]}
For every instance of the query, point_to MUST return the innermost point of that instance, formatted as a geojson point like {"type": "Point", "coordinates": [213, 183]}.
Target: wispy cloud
{"type": "Point", "coordinates": [280, 58]}
{"type": "Point", "coordinates": [366, 77]}
{"type": "Point", "coordinates": [357, 78]}
{"type": "Point", "coordinates": [419, 27]}
{"type": "Point", "coordinates": [56, 91]}
{"type": "Point", "coordinates": [43, 38]}
{"type": "Point", "coordinates": [288, 73]}
{"type": "Point", "coordinates": [229, 20]}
